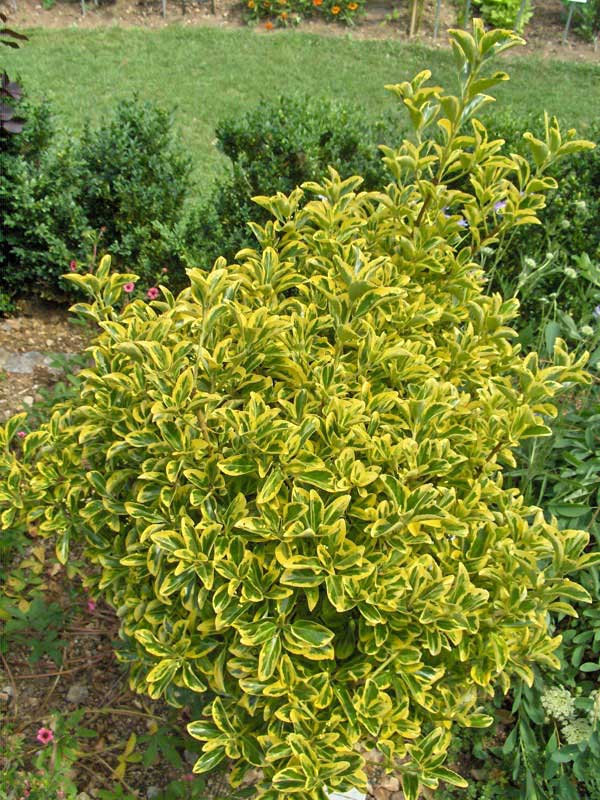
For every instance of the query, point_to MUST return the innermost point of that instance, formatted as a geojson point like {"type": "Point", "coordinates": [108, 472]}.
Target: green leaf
{"type": "Point", "coordinates": [62, 547]}
{"type": "Point", "coordinates": [410, 786]}
{"type": "Point", "coordinates": [270, 653]}
{"type": "Point", "coordinates": [310, 633]}
{"type": "Point", "coordinates": [203, 729]}
{"type": "Point", "coordinates": [208, 761]}
{"type": "Point", "coordinates": [376, 297]}
{"type": "Point", "coordinates": [271, 486]}
{"type": "Point", "coordinates": [290, 780]}
{"type": "Point", "coordinates": [449, 776]}
{"type": "Point", "coordinates": [237, 465]}
{"type": "Point", "coordinates": [183, 387]}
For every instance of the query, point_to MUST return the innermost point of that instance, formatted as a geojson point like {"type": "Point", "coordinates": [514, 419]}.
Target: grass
{"type": "Point", "coordinates": [208, 74]}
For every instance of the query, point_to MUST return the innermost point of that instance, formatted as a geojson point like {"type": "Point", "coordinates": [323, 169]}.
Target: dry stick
{"type": "Point", "coordinates": [12, 683]}
{"type": "Point", "coordinates": [94, 774]}
{"type": "Point", "coordinates": [53, 687]}
{"type": "Point", "coordinates": [413, 19]}
{"type": "Point", "coordinates": [125, 712]}
{"type": "Point", "coordinates": [72, 661]}
{"type": "Point", "coordinates": [92, 631]}
{"type": "Point", "coordinates": [121, 780]}
{"type": "Point", "coordinates": [64, 671]}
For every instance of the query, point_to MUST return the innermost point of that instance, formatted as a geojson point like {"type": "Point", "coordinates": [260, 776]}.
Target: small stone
{"type": "Point", "coordinates": [77, 693]}
{"type": "Point", "coordinates": [190, 757]}
{"type": "Point", "coordinates": [251, 777]}
{"type": "Point", "coordinates": [6, 694]}
{"type": "Point", "coordinates": [397, 796]}
{"type": "Point", "coordinates": [28, 400]}
{"type": "Point", "coordinates": [83, 796]}
{"type": "Point", "coordinates": [374, 757]}
{"type": "Point", "coordinates": [152, 792]}
{"type": "Point", "coordinates": [390, 782]}
{"type": "Point", "coordinates": [353, 794]}
{"type": "Point", "coordinates": [381, 794]}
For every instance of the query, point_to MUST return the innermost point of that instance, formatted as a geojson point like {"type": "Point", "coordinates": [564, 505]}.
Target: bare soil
{"type": "Point", "coordinates": [385, 19]}
{"type": "Point", "coordinates": [42, 327]}
{"type": "Point", "coordinates": [88, 677]}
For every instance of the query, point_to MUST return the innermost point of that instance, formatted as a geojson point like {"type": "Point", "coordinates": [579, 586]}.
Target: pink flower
{"type": "Point", "coordinates": [152, 293]}
{"type": "Point", "coordinates": [165, 270]}
{"type": "Point", "coordinates": [73, 266]}
{"type": "Point", "coordinates": [45, 736]}
{"type": "Point", "coordinates": [21, 434]}
{"type": "Point", "coordinates": [129, 287]}
{"type": "Point", "coordinates": [91, 606]}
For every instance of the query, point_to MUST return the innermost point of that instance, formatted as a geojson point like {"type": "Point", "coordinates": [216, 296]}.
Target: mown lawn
{"type": "Point", "coordinates": [207, 74]}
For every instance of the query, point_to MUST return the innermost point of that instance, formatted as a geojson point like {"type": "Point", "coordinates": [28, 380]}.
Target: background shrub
{"type": "Point", "coordinates": [274, 148]}
{"type": "Point", "coordinates": [43, 221]}
{"type": "Point", "coordinates": [133, 175]}
{"type": "Point", "coordinates": [119, 188]}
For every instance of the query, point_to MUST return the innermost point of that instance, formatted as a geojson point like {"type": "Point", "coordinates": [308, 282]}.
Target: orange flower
{"type": "Point", "coordinates": [269, 25]}
{"type": "Point", "coordinates": [352, 6]}
{"type": "Point", "coordinates": [251, 3]}
{"type": "Point", "coordinates": [317, 2]}
{"type": "Point", "coordinates": [336, 10]}
{"type": "Point", "coordinates": [283, 15]}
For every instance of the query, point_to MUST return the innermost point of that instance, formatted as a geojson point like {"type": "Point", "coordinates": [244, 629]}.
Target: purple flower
{"type": "Point", "coordinates": [462, 223]}
{"type": "Point", "coordinates": [45, 736]}
{"type": "Point", "coordinates": [500, 206]}
{"type": "Point", "coordinates": [152, 293]}
{"type": "Point", "coordinates": [129, 287]}
{"type": "Point", "coordinates": [596, 312]}
{"type": "Point", "coordinates": [91, 606]}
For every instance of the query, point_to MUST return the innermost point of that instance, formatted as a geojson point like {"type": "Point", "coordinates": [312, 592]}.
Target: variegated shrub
{"type": "Point", "coordinates": [290, 476]}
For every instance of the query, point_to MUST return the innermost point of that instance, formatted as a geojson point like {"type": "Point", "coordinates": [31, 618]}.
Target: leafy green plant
{"type": "Point", "coordinates": [547, 736]}
{"type": "Point", "coordinates": [46, 770]}
{"type": "Point", "coordinates": [506, 13]}
{"type": "Point", "coordinates": [37, 628]}
{"type": "Point", "coordinates": [291, 475]}
{"type": "Point", "coordinates": [586, 20]}
{"type": "Point", "coordinates": [553, 269]}
{"type": "Point", "coordinates": [7, 306]}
